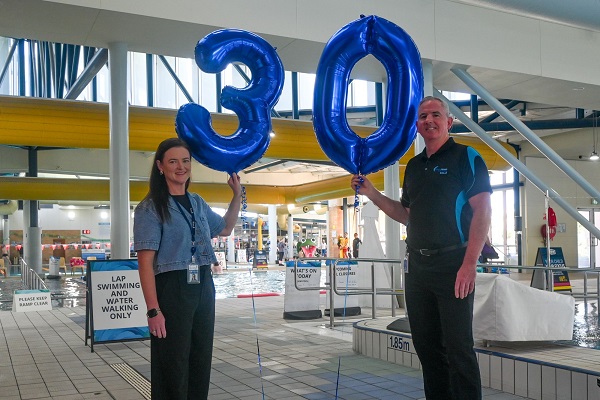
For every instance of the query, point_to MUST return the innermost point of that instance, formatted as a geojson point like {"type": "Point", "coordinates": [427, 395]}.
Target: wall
{"type": "Point", "coordinates": [570, 191]}
{"type": "Point", "coordinates": [56, 224]}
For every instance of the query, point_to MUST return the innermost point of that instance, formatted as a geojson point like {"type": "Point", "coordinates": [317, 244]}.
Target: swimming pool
{"type": "Point", "coordinates": [70, 291]}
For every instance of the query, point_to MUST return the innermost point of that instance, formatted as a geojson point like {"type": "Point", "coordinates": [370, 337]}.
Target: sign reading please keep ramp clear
{"type": "Point", "coordinates": [32, 300]}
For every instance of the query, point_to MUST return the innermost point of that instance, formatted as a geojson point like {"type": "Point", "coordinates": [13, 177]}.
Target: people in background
{"type": "Point", "coordinates": [356, 242]}
{"type": "Point", "coordinates": [324, 247]}
{"type": "Point", "coordinates": [6, 260]}
{"type": "Point", "coordinates": [343, 245]}
{"type": "Point", "coordinates": [172, 236]}
{"type": "Point", "coordinates": [280, 251]}
{"type": "Point", "coordinates": [446, 208]}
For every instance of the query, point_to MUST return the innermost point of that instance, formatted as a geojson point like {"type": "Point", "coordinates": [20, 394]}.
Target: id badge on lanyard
{"type": "Point", "coordinates": [193, 270]}
{"type": "Point", "coordinates": [192, 273]}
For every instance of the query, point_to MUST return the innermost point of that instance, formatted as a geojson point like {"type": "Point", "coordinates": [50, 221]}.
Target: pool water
{"type": "Point", "coordinates": [70, 291]}
{"type": "Point", "coordinates": [586, 328]}
{"type": "Point", "coordinates": [243, 282]}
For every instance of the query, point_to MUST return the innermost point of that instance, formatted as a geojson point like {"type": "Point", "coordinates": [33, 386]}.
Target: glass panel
{"type": "Point", "coordinates": [138, 79]}
{"type": "Point", "coordinates": [583, 242]}
{"type": "Point", "coordinates": [5, 45]}
{"type": "Point", "coordinates": [595, 243]}
{"type": "Point", "coordinates": [306, 85]}
{"type": "Point", "coordinates": [165, 85]}
{"type": "Point", "coordinates": [184, 73]}
{"type": "Point", "coordinates": [208, 92]}
{"type": "Point", "coordinates": [285, 100]}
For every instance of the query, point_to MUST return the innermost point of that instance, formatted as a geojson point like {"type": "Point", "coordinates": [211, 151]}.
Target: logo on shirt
{"type": "Point", "coordinates": [439, 170]}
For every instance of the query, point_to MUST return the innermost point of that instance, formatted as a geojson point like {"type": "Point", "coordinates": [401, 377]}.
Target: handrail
{"type": "Point", "coordinates": [331, 286]}
{"type": "Point", "coordinates": [373, 291]}
{"type": "Point", "coordinates": [30, 278]}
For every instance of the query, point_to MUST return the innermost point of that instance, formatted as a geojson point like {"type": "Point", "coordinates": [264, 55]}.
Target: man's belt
{"type": "Point", "coordinates": [433, 252]}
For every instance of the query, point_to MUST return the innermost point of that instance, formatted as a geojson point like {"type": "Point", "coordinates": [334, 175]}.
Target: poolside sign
{"type": "Point", "coordinates": [560, 277]}
{"type": "Point", "coordinates": [115, 306]}
{"type": "Point", "coordinates": [302, 304]}
{"type": "Point", "coordinates": [32, 300]}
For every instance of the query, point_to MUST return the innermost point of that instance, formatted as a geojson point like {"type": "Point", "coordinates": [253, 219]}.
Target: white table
{"type": "Point", "coordinates": [506, 310]}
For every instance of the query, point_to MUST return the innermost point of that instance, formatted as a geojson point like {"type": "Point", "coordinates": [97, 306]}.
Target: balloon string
{"type": "Point", "coordinates": [256, 329]}
{"type": "Point", "coordinates": [356, 199]}
{"type": "Point", "coordinates": [343, 325]}
{"type": "Point", "coordinates": [337, 382]}
{"type": "Point", "coordinates": [244, 204]}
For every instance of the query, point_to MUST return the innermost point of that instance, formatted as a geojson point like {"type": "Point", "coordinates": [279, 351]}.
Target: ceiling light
{"type": "Point", "coordinates": [594, 156]}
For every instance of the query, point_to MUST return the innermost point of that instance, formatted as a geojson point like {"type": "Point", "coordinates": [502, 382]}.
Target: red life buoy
{"type": "Point", "coordinates": [552, 231]}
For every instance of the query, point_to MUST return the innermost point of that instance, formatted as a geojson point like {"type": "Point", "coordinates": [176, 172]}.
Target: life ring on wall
{"type": "Point", "coordinates": [551, 231]}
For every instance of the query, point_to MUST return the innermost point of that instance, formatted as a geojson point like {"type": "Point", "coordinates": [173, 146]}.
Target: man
{"type": "Point", "coordinates": [446, 207]}
{"type": "Point", "coordinates": [355, 244]}
{"type": "Point", "coordinates": [280, 251]}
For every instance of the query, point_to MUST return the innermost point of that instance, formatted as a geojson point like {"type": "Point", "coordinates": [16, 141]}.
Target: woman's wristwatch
{"type": "Point", "coordinates": [153, 312]}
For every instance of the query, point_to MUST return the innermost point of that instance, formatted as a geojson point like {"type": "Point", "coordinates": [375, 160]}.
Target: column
{"type": "Point", "coordinates": [230, 249]}
{"type": "Point", "coordinates": [391, 188]}
{"type": "Point", "coordinates": [427, 91]}
{"type": "Point", "coordinates": [290, 227]}
{"type": "Point", "coordinates": [272, 221]}
{"type": "Point", "coordinates": [119, 151]}
{"type": "Point", "coordinates": [5, 233]}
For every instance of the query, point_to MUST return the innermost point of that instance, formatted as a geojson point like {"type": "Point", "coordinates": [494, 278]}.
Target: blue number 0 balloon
{"type": "Point", "coordinates": [252, 104]}
{"type": "Point", "coordinates": [394, 48]}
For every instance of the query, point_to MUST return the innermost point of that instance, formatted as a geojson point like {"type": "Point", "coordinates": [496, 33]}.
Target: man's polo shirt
{"type": "Point", "coordinates": [437, 192]}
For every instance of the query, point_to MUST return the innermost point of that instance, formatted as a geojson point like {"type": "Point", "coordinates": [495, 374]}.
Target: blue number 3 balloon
{"type": "Point", "coordinates": [252, 104]}
{"type": "Point", "coordinates": [394, 48]}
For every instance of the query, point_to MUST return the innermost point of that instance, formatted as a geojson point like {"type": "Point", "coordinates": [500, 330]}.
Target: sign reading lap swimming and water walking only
{"type": "Point", "coordinates": [115, 306]}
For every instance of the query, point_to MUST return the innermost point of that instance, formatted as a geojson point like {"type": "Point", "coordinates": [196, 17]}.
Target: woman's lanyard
{"type": "Point", "coordinates": [192, 226]}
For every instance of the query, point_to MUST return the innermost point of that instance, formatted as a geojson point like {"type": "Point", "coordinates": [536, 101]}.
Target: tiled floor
{"type": "Point", "coordinates": [43, 356]}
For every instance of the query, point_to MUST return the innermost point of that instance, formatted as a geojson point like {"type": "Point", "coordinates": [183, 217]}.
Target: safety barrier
{"type": "Point", "coordinates": [396, 266]}
{"type": "Point", "coordinates": [30, 279]}
{"type": "Point", "coordinates": [332, 284]}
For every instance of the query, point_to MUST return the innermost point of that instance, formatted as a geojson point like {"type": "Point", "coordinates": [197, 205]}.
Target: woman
{"type": "Point", "coordinates": [172, 236]}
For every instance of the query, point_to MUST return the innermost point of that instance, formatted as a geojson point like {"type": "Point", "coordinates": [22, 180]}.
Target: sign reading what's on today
{"type": "Point", "coordinates": [32, 300]}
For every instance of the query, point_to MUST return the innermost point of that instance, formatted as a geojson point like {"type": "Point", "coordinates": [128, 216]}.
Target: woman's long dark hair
{"type": "Point", "coordinates": [159, 191]}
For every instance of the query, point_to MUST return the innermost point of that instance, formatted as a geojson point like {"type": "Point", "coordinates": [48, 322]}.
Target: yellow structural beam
{"type": "Point", "coordinates": [57, 189]}
{"type": "Point", "coordinates": [26, 121]}
{"type": "Point", "coordinates": [76, 124]}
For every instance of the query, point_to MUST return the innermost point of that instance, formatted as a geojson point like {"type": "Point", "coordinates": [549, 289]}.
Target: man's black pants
{"type": "Point", "coordinates": [441, 328]}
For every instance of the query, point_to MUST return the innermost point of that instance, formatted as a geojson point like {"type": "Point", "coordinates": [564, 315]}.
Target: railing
{"type": "Point", "coordinates": [548, 278]}
{"type": "Point", "coordinates": [30, 278]}
{"type": "Point", "coordinates": [332, 284]}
